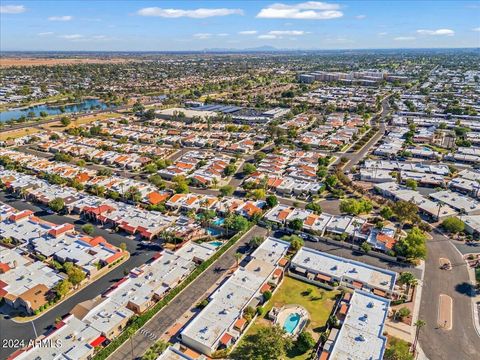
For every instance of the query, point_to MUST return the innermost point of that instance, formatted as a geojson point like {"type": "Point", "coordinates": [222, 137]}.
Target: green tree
{"type": "Point", "coordinates": [229, 170]}
{"type": "Point", "coordinates": [355, 207]}
{"type": "Point", "coordinates": [75, 275]}
{"type": "Point", "coordinates": [62, 288]}
{"type": "Point", "coordinates": [315, 207]}
{"type": "Point", "coordinates": [413, 246]}
{"type": "Point", "coordinates": [453, 225]}
{"type": "Point", "coordinates": [226, 190]}
{"type": "Point", "coordinates": [57, 204]}
{"type": "Point", "coordinates": [386, 212]}
{"type": "Point", "coordinates": [296, 243]}
{"type": "Point", "coordinates": [255, 241]}
{"type": "Point", "coordinates": [105, 172]}
{"type": "Point", "coordinates": [138, 107]}
{"type": "Point", "coordinates": [88, 229]}
{"type": "Point", "coordinates": [268, 343]}
{"type": "Point", "coordinates": [257, 194]}
{"type": "Point", "coordinates": [157, 181]}
{"type": "Point", "coordinates": [405, 211]}
{"type": "Point", "coordinates": [65, 121]}
{"type": "Point", "coordinates": [236, 223]}
{"type": "Point", "coordinates": [366, 247]}
{"type": "Point", "coordinates": [249, 169]}
{"type": "Point", "coordinates": [296, 224]}
{"type": "Point", "coordinates": [304, 342]}
{"type": "Point", "coordinates": [150, 114]}
{"type": "Point", "coordinates": [123, 246]}
{"type": "Point", "coordinates": [180, 185]}
{"type": "Point", "coordinates": [259, 156]}
{"type": "Point", "coordinates": [412, 184]}
{"type": "Point", "coordinates": [271, 201]}
{"type": "Point", "coordinates": [403, 312]}
{"type": "Point", "coordinates": [151, 168]}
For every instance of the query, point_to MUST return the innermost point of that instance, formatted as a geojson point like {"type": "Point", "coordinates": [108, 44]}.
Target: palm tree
{"type": "Point", "coordinates": [418, 324]}
{"type": "Point", "coordinates": [408, 279]}
{"type": "Point", "coordinates": [238, 256]}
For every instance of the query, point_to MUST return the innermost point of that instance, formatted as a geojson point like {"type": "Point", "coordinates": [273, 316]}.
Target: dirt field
{"type": "Point", "coordinates": [10, 61]}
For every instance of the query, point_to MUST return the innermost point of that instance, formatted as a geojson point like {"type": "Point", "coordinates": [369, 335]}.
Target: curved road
{"type": "Point", "coordinates": [462, 342]}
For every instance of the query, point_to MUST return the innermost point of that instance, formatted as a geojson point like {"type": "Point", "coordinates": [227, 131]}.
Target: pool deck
{"type": "Point", "coordinates": [286, 311]}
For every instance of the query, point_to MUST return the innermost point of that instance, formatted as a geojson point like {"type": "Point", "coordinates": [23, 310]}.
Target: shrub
{"type": "Point", "coordinates": [453, 225]}
{"type": "Point", "coordinates": [403, 312]}
{"type": "Point", "coordinates": [267, 295]}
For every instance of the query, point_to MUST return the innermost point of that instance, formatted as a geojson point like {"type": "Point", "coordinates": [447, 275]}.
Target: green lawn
{"type": "Point", "coordinates": [319, 303]}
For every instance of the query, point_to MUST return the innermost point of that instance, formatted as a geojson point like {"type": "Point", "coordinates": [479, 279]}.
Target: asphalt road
{"type": "Point", "coordinates": [13, 330]}
{"type": "Point", "coordinates": [462, 342]}
{"type": "Point", "coordinates": [355, 157]}
{"type": "Point", "coordinates": [171, 313]}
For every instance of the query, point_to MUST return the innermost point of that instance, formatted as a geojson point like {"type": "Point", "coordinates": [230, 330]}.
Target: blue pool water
{"type": "Point", "coordinates": [213, 232]}
{"type": "Point", "coordinates": [291, 323]}
{"type": "Point", "coordinates": [218, 222]}
{"type": "Point", "coordinates": [216, 243]}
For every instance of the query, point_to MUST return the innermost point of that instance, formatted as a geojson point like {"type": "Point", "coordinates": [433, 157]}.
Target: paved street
{"type": "Point", "coordinates": [170, 314]}
{"type": "Point", "coordinates": [462, 342]}
{"type": "Point", "coordinates": [12, 330]}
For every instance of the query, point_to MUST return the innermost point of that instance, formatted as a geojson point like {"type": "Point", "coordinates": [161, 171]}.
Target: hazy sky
{"type": "Point", "coordinates": [196, 25]}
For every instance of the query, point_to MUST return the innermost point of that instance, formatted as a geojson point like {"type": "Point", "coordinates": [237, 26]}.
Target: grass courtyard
{"type": "Point", "coordinates": [318, 302]}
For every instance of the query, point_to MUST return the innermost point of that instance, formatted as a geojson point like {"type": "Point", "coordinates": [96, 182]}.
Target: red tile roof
{"type": "Point", "coordinates": [226, 338]}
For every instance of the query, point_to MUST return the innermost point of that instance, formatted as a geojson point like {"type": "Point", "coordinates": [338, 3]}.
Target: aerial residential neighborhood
{"type": "Point", "coordinates": [244, 180]}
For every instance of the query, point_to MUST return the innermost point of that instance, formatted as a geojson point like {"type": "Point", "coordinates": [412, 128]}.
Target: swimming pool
{"type": "Point", "coordinates": [218, 222]}
{"type": "Point", "coordinates": [216, 243]}
{"type": "Point", "coordinates": [213, 231]}
{"type": "Point", "coordinates": [291, 322]}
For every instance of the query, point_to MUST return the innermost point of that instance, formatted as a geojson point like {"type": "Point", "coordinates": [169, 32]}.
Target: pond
{"type": "Point", "coordinates": [86, 105]}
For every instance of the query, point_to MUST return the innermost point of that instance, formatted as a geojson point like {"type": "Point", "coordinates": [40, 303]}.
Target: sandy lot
{"type": "Point", "coordinates": [11, 61]}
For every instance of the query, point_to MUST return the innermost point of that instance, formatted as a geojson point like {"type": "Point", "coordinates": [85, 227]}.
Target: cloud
{"type": "Point", "coordinates": [46, 33]}
{"type": "Point", "coordinates": [267, 36]}
{"type": "Point", "coordinates": [404, 38]}
{"type": "Point", "coordinates": [248, 32]}
{"type": "Point", "coordinates": [360, 17]}
{"type": "Point", "coordinates": [438, 32]}
{"type": "Point", "coordinates": [197, 13]}
{"type": "Point", "coordinates": [476, 29]}
{"type": "Point", "coordinates": [310, 10]}
{"type": "Point", "coordinates": [383, 33]}
{"type": "Point", "coordinates": [222, 34]}
{"type": "Point", "coordinates": [12, 9]}
{"type": "Point", "coordinates": [61, 18]}
{"type": "Point", "coordinates": [286, 32]}
{"type": "Point", "coordinates": [202, 36]}
{"type": "Point", "coordinates": [71, 36]}
{"type": "Point", "coordinates": [279, 34]}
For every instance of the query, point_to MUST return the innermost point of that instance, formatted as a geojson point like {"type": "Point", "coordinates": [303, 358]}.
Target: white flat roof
{"type": "Point", "coordinates": [327, 264]}
{"type": "Point", "coordinates": [228, 301]}
{"type": "Point", "coordinates": [361, 335]}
